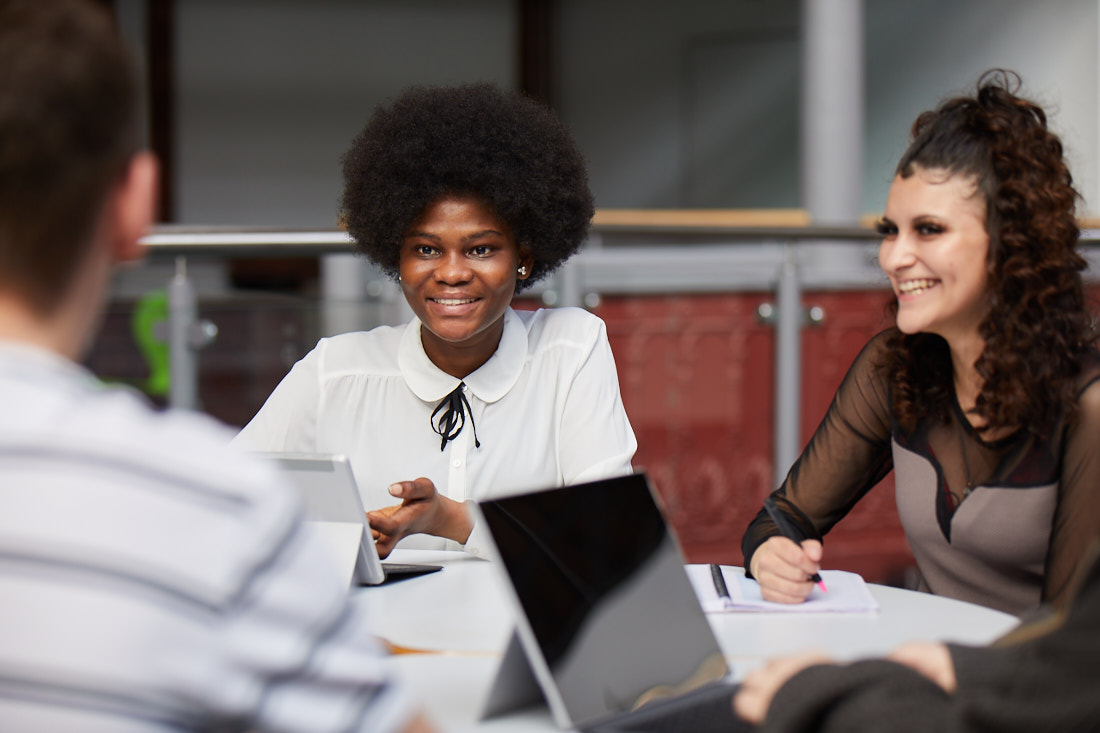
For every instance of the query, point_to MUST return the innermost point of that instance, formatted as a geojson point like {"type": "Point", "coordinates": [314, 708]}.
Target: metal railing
{"type": "Point", "coordinates": [616, 260]}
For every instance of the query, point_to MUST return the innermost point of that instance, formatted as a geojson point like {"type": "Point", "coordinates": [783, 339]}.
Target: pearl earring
{"type": "Point", "coordinates": [522, 270]}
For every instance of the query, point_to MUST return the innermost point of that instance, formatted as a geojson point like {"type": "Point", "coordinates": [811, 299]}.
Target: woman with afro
{"type": "Point", "coordinates": [984, 399]}
{"type": "Point", "coordinates": [465, 195]}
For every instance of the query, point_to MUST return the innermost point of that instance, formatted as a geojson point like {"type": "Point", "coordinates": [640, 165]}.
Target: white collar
{"type": "Point", "coordinates": [488, 383]}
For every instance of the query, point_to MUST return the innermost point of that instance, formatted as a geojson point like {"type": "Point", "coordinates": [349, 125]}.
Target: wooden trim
{"type": "Point", "coordinates": [702, 217]}
{"type": "Point", "coordinates": [688, 218]}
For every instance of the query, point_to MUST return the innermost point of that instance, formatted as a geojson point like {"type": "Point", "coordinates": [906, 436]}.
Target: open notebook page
{"type": "Point", "coordinates": [847, 593]}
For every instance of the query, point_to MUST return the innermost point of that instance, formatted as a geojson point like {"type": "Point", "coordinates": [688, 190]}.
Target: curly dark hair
{"type": "Point", "coordinates": [505, 149]}
{"type": "Point", "coordinates": [1038, 329]}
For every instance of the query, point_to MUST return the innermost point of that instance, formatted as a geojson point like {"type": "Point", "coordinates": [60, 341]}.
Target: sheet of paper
{"type": "Point", "coordinates": [847, 593]}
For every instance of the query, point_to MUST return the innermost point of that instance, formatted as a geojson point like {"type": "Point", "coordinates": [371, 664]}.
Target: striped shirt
{"type": "Point", "coordinates": [151, 579]}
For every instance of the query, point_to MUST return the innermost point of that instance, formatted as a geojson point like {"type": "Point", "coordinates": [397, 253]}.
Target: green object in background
{"type": "Point", "coordinates": [148, 324]}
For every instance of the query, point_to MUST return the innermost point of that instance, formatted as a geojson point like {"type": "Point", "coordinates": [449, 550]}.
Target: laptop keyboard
{"type": "Point", "coordinates": [706, 710]}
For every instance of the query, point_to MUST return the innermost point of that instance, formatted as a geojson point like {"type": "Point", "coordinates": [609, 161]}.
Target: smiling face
{"type": "Point", "coordinates": [459, 266]}
{"type": "Point", "coordinates": [934, 251]}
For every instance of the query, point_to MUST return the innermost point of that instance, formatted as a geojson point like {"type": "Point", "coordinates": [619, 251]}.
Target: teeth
{"type": "Point", "coordinates": [453, 301]}
{"type": "Point", "coordinates": [910, 287]}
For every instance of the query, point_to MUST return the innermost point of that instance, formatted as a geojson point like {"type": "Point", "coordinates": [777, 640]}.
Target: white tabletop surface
{"type": "Point", "coordinates": [460, 616]}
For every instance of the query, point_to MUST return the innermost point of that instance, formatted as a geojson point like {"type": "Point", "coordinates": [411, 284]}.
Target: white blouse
{"type": "Point", "coordinates": [546, 411]}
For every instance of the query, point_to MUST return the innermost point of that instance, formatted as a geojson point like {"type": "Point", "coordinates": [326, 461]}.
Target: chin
{"type": "Point", "coordinates": [452, 335]}
{"type": "Point", "coordinates": [910, 326]}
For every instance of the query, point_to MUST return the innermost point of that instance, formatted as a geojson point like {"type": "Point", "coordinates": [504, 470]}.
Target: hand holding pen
{"type": "Point", "coordinates": [785, 568]}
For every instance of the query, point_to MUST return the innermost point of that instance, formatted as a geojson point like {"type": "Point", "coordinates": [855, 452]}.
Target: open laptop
{"type": "Point", "coordinates": [334, 511]}
{"type": "Point", "coordinates": [607, 619]}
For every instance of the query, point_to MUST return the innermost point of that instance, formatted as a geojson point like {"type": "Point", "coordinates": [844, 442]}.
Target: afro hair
{"type": "Point", "coordinates": [477, 140]}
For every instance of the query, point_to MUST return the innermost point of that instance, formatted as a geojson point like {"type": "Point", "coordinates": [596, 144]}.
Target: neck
{"type": "Point", "coordinates": [459, 360]}
{"type": "Point", "coordinates": [67, 329]}
{"type": "Point", "coordinates": [965, 352]}
{"type": "Point", "coordinates": [21, 324]}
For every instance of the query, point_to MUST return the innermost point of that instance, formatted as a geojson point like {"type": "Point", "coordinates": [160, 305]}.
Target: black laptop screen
{"type": "Point", "coordinates": [602, 584]}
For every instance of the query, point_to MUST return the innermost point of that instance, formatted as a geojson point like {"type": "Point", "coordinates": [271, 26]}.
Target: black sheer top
{"type": "Point", "coordinates": [1005, 549]}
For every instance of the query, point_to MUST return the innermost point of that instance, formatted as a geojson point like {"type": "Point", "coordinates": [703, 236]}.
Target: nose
{"type": "Point", "coordinates": [896, 253]}
{"type": "Point", "coordinates": [452, 269]}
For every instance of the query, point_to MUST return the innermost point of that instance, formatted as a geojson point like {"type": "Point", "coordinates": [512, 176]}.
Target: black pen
{"type": "Point", "coordinates": [788, 531]}
{"type": "Point", "coordinates": [719, 581]}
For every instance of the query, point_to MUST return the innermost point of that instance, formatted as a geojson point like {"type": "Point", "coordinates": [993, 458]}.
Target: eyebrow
{"type": "Point", "coordinates": [915, 219]}
{"type": "Point", "coordinates": [467, 238]}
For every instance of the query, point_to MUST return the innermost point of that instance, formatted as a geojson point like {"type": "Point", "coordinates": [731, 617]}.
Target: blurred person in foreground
{"type": "Point", "coordinates": [1041, 676]}
{"type": "Point", "coordinates": [150, 578]}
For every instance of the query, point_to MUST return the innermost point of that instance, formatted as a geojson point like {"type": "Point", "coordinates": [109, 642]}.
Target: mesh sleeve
{"type": "Point", "coordinates": [1077, 516]}
{"type": "Point", "coordinates": [848, 454]}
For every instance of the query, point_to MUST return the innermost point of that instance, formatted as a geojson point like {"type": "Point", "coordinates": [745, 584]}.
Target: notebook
{"type": "Point", "coordinates": [334, 512]}
{"type": "Point", "coordinates": [609, 629]}
{"type": "Point", "coordinates": [847, 593]}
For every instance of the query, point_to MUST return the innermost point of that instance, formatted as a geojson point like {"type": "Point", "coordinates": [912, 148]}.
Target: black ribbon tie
{"type": "Point", "coordinates": [454, 408]}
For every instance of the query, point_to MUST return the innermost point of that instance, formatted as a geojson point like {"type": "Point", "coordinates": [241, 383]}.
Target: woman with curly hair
{"type": "Point", "coordinates": [984, 398]}
{"type": "Point", "coordinates": [465, 195]}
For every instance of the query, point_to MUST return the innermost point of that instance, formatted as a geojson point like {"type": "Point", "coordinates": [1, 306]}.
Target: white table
{"type": "Point", "coordinates": [461, 615]}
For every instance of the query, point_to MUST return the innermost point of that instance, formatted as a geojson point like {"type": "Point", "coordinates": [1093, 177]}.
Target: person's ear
{"type": "Point", "coordinates": [526, 264]}
{"type": "Point", "coordinates": [135, 206]}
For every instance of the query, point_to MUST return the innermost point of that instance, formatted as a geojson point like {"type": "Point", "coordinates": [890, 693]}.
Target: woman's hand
{"type": "Point", "coordinates": [930, 659]}
{"type": "Point", "coordinates": [754, 697]}
{"type": "Point", "coordinates": [783, 569]}
{"type": "Point", "coordinates": [422, 510]}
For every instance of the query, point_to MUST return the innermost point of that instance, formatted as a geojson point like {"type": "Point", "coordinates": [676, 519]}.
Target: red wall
{"type": "Point", "coordinates": [697, 376]}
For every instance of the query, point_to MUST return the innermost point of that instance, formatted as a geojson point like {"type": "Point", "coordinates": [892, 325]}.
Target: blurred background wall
{"type": "Point", "coordinates": [686, 104]}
